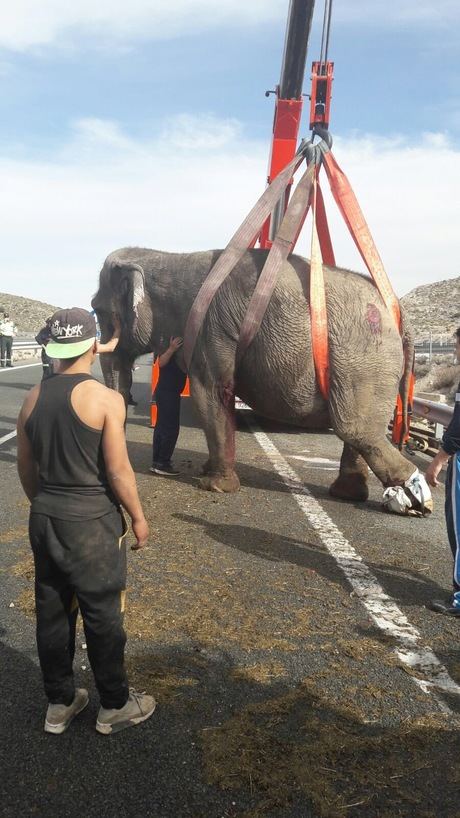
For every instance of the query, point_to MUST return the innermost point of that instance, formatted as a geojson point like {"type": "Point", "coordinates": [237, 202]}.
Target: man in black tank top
{"type": "Point", "coordinates": [74, 468]}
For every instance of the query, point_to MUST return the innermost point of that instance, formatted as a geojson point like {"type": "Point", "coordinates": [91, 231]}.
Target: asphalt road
{"type": "Point", "coordinates": [283, 633]}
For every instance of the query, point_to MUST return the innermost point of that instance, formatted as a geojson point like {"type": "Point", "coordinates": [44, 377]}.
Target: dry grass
{"type": "Point", "coordinates": [26, 602]}
{"type": "Point", "coordinates": [323, 742]}
{"type": "Point", "coordinates": [297, 746]}
{"type": "Point", "coordinates": [13, 535]}
{"type": "Point", "coordinates": [262, 673]}
{"type": "Point", "coordinates": [167, 680]}
{"type": "Point", "coordinates": [24, 568]}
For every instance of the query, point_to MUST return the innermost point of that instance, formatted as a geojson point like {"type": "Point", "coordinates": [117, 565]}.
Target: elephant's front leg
{"type": "Point", "coordinates": [216, 409]}
{"type": "Point", "coordinates": [351, 484]}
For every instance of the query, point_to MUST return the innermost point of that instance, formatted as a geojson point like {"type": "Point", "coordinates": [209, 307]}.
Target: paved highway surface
{"type": "Point", "coordinates": [298, 673]}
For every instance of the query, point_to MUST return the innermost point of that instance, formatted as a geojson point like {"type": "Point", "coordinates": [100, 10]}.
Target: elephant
{"type": "Point", "coordinates": [152, 293]}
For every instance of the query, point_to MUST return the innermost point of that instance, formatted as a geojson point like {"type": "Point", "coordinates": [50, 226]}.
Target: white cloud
{"type": "Point", "coordinates": [185, 131]}
{"type": "Point", "coordinates": [104, 190]}
{"type": "Point", "coordinates": [26, 24]}
{"type": "Point", "coordinates": [419, 12]}
{"type": "Point", "coordinates": [410, 195]}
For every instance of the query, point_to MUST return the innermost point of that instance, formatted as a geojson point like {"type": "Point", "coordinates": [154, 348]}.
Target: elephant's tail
{"type": "Point", "coordinates": [406, 384]}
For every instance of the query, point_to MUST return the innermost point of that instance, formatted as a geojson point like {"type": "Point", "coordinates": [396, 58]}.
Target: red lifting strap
{"type": "Point", "coordinates": [282, 246]}
{"type": "Point", "coordinates": [325, 242]}
{"type": "Point", "coordinates": [356, 223]}
{"type": "Point", "coordinates": [318, 309]}
{"type": "Point", "coordinates": [234, 251]}
{"type": "Point", "coordinates": [400, 433]}
{"type": "Point", "coordinates": [308, 193]}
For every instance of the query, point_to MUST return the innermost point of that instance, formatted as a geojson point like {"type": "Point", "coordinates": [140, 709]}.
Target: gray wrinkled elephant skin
{"type": "Point", "coordinates": [152, 292]}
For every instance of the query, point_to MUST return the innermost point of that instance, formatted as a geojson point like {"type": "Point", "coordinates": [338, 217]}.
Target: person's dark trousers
{"type": "Point", "coordinates": [167, 426]}
{"type": "Point", "coordinates": [80, 563]}
{"type": "Point", "coordinates": [452, 512]}
{"type": "Point", "coordinates": [48, 366]}
{"type": "Point", "coordinates": [6, 347]}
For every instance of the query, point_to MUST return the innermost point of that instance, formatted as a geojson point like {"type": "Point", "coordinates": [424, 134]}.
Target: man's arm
{"type": "Point", "coordinates": [174, 345]}
{"type": "Point", "coordinates": [26, 464]}
{"type": "Point", "coordinates": [450, 445]}
{"type": "Point", "coordinates": [111, 345]}
{"type": "Point", "coordinates": [431, 474]}
{"type": "Point", "coordinates": [119, 470]}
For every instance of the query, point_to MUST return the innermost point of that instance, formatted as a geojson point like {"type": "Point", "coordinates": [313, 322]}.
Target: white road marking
{"type": "Point", "coordinates": [15, 368]}
{"type": "Point", "coordinates": [382, 609]}
{"type": "Point", "coordinates": [7, 437]}
{"type": "Point", "coordinates": [316, 460]}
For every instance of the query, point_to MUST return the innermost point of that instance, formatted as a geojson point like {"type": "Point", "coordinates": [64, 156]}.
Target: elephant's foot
{"type": "Point", "coordinates": [350, 487]}
{"type": "Point", "coordinates": [220, 482]}
{"type": "Point", "coordinates": [206, 467]}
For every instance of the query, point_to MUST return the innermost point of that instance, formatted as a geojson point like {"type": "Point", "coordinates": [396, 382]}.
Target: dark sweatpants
{"type": "Point", "coordinates": [167, 426]}
{"type": "Point", "coordinates": [47, 364]}
{"type": "Point", "coordinates": [80, 564]}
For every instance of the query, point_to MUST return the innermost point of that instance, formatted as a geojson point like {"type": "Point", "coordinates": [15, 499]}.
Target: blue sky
{"type": "Point", "coordinates": [146, 123]}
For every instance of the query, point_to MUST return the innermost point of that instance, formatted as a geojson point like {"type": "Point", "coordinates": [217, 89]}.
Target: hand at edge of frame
{"type": "Point", "coordinates": [175, 342]}
{"type": "Point", "coordinates": [141, 533]}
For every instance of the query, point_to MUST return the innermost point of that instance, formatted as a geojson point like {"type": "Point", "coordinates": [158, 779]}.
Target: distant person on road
{"type": "Point", "coordinates": [8, 330]}
{"type": "Point", "coordinates": [167, 397]}
{"type": "Point", "coordinates": [42, 338]}
{"type": "Point", "coordinates": [74, 468]}
{"type": "Point", "coordinates": [450, 453]}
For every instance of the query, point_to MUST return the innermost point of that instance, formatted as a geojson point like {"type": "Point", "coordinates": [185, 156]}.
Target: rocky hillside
{"type": "Point", "coordinates": [29, 315]}
{"type": "Point", "coordinates": [434, 307]}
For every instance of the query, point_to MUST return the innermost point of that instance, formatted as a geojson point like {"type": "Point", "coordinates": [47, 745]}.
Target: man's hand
{"type": "Point", "coordinates": [431, 474]}
{"type": "Point", "coordinates": [175, 343]}
{"type": "Point", "coordinates": [435, 467]}
{"type": "Point", "coordinates": [141, 533]}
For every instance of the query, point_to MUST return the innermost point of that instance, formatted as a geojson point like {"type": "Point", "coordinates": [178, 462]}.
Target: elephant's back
{"type": "Point", "coordinates": [353, 302]}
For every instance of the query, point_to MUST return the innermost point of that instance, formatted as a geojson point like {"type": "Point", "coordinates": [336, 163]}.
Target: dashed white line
{"type": "Point", "coordinates": [16, 368]}
{"type": "Point", "coordinates": [7, 437]}
{"type": "Point", "coordinates": [382, 609]}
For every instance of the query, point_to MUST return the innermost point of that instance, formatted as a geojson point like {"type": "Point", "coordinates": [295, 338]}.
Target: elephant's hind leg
{"type": "Point", "coordinates": [360, 413]}
{"type": "Point", "coordinates": [217, 419]}
{"type": "Point", "coordinates": [351, 484]}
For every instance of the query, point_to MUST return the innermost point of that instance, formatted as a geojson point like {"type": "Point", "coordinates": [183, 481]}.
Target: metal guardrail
{"type": "Point", "coordinates": [427, 426]}
{"type": "Point", "coordinates": [25, 345]}
{"type": "Point", "coordinates": [436, 412]}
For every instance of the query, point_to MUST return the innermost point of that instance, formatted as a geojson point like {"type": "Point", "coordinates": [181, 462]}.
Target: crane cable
{"type": "Point", "coordinates": [325, 35]}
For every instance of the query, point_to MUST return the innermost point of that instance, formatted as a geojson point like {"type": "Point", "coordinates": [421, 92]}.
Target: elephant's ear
{"type": "Point", "coordinates": [128, 282]}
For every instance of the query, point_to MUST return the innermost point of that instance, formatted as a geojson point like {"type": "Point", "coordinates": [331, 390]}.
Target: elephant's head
{"type": "Point", "coordinates": [122, 292]}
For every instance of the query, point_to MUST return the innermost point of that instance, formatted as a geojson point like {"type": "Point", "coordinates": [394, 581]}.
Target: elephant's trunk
{"type": "Point", "coordinates": [116, 366]}
{"type": "Point", "coordinates": [117, 372]}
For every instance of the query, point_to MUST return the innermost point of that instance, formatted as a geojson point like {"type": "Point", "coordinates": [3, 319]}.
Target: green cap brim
{"type": "Point", "coordinates": [54, 350]}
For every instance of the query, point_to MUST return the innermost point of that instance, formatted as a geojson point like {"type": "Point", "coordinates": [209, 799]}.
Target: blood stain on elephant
{"type": "Point", "coordinates": [374, 319]}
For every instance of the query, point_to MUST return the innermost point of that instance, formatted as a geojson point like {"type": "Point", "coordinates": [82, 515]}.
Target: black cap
{"type": "Point", "coordinates": [73, 331]}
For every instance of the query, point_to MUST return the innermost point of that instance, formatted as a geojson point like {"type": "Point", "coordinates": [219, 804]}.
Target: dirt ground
{"type": "Point", "coordinates": [306, 719]}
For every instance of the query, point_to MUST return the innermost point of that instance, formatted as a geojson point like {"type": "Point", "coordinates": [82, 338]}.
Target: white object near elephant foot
{"type": "Point", "coordinates": [413, 498]}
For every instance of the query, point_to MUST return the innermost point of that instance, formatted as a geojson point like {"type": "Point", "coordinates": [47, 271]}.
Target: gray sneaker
{"type": "Point", "coordinates": [166, 469]}
{"type": "Point", "coordinates": [138, 708]}
{"type": "Point", "coordinates": [59, 716]}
